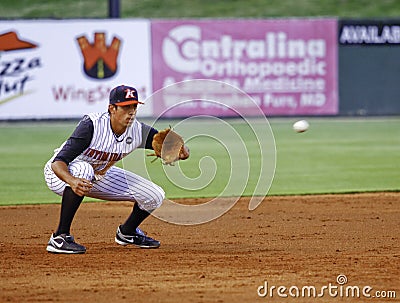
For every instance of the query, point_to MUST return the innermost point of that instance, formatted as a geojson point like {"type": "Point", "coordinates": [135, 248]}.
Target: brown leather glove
{"type": "Point", "coordinates": [169, 146]}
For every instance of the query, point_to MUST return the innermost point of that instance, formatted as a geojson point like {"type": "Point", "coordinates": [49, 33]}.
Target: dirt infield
{"type": "Point", "coordinates": [290, 243]}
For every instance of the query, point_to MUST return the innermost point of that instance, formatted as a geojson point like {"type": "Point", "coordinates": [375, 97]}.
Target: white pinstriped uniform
{"type": "Point", "coordinates": [96, 163]}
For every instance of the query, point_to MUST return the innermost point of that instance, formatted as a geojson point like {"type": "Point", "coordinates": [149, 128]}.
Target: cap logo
{"type": "Point", "coordinates": [130, 94]}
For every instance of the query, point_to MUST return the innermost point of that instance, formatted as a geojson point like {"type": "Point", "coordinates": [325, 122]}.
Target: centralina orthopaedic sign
{"type": "Point", "coordinates": [287, 67]}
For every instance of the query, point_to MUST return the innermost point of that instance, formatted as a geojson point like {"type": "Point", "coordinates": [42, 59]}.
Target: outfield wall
{"type": "Point", "coordinates": [369, 67]}
{"type": "Point", "coordinates": [57, 69]}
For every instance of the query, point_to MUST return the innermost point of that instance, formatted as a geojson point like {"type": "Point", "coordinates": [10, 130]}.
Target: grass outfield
{"type": "Point", "coordinates": [336, 155]}
{"type": "Point", "coordinates": [199, 8]}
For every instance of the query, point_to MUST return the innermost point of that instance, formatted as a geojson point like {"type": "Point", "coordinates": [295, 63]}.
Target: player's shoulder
{"type": "Point", "coordinates": [97, 116]}
{"type": "Point", "coordinates": [136, 125]}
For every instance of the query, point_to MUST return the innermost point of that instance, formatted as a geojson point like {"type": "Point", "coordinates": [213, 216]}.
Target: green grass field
{"type": "Point", "coordinates": [200, 8]}
{"type": "Point", "coordinates": [336, 155]}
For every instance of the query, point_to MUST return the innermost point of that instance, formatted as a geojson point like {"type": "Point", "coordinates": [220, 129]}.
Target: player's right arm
{"type": "Point", "coordinates": [73, 147]}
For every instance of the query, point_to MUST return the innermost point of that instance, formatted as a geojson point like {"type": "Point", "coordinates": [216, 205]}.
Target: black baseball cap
{"type": "Point", "coordinates": [124, 95]}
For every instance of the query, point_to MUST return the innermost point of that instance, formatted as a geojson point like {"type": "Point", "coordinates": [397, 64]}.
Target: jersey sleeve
{"type": "Point", "coordinates": [77, 142]}
{"type": "Point", "coordinates": [148, 133]}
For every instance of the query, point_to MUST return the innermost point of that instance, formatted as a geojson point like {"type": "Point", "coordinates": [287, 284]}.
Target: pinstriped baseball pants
{"type": "Point", "coordinates": [116, 185]}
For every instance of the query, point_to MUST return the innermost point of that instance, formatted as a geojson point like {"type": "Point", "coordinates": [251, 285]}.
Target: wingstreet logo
{"type": "Point", "coordinates": [339, 290]}
{"type": "Point", "coordinates": [15, 71]}
{"type": "Point", "coordinates": [100, 59]}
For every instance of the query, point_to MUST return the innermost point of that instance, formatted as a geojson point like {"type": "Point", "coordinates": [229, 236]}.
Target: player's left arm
{"type": "Point", "coordinates": [148, 133]}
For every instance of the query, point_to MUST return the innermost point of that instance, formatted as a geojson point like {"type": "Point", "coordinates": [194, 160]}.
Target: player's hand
{"type": "Point", "coordinates": [81, 186]}
{"type": "Point", "coordinates": [184, 153]}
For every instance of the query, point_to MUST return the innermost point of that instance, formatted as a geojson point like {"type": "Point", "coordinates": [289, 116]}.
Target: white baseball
{"type": "Point", "coordinates": [300, 126]}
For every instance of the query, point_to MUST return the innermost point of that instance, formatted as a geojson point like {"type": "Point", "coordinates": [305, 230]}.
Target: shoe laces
{"type": "Point", "coordinates": [140, 232]}
{"type": "Point", "coordinates": [68, 238]}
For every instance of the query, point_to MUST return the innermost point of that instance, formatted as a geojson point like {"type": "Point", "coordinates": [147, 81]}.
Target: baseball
{"type": "Point", "coordinates": [300, 126]}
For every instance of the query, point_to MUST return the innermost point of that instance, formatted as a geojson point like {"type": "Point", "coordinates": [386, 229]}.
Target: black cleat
{"type": "Point", "coordinates": [139, 239]}
{"type": "Point", "coordinates": [64, 244]}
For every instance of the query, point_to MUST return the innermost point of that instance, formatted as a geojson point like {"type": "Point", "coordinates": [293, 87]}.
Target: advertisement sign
{"type": "Point", "coordinates": [66, 68]}
{"type": "Point", "coordinates": [369, 32]}
{"type": "Point", "coordinates": [369, 67]}
{"type": "Point", "coordinates": [287, 67]}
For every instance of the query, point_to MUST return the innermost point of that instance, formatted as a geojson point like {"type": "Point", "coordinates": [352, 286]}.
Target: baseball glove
{"type": "Point", "coordinates": [167, 145]}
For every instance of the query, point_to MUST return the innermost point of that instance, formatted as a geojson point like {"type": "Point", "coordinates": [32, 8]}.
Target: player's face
{"type": "Point", "coordinates": [124, 115]}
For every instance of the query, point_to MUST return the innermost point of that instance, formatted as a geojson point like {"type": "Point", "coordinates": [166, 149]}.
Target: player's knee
{"type": "Point", "coordinates": [160, 197]}
{"type": "Point", "coordinates": [81, 169]}
{"type": "Point", "coordinates": [155, 201]}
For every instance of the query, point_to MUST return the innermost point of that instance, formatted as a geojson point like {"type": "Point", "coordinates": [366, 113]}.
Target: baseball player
{"type": "Point", "coordinates": [84, 166]}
